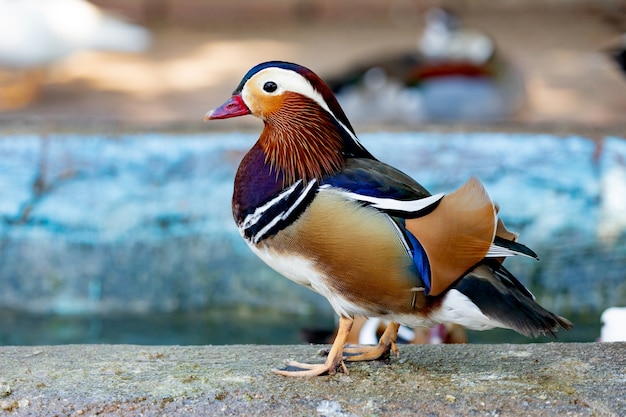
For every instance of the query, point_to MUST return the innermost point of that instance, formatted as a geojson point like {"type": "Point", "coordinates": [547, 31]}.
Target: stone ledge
{"type": "Point", "coordinates": [531, 380]}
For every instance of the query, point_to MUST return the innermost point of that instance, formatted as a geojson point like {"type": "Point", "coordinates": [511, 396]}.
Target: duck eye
{"type": "Point", "coordinates": [270, 86]}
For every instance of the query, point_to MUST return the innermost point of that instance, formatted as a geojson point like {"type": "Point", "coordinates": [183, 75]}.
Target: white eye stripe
{"type": "Point", "coordinates": [286, 80]}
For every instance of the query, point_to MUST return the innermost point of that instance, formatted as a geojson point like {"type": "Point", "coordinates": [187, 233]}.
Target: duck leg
{"type": "Point", "coordinates": [386, 343]}
{"type": "Point", "coordinates": [334, 360]}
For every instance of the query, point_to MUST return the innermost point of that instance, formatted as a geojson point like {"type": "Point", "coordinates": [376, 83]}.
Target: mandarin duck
{"type": "Point", "coordinates": [321, 210]}
{"type": "Point", "coordinates": [455, 73]}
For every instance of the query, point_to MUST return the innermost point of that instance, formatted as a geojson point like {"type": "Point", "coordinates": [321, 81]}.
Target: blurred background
{"type": "Point", "coordinates": [114, 195]}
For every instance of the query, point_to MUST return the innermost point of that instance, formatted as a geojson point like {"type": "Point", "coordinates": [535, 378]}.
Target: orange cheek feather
{"type": "Point", "coordinates": [271, 105]}
{"type": "Point", "coordinates": [263, 105]}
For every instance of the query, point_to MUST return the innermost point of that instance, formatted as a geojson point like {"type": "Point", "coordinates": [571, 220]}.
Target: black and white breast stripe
{"type": "Point", "coordinates": [280, 211]}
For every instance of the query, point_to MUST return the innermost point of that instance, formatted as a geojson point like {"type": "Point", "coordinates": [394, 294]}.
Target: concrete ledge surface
{"type": "Point", "coordinates": [505, 380]}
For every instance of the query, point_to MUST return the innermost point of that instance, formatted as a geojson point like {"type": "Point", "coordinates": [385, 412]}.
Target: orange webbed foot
{"type": "Point", "coordinates": [299, 369]}
{"type": "Point", "coordinates": [386, 344]}
{"type": "Point", "coordinates": [333, 362]}
{"type": "Point", "coordinates": [369, 353]}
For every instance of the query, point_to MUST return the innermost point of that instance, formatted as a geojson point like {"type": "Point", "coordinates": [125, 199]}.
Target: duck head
{"type": "Point", "coordinates": [306, 134]}
{"type": "Point", "coordinates": [270, 86]}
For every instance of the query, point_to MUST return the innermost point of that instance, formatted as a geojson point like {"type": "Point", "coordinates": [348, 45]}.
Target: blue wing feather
{"type": "Point", "coordinates": [420, 260]}
{"type": "Point", "coordinates": [373, 178]}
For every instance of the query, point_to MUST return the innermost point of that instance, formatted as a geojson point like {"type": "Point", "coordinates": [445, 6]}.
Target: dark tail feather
{"type": "Point", "coordinates": [514, 246]}
{"type": "Point", "coordinates": [500, 296]}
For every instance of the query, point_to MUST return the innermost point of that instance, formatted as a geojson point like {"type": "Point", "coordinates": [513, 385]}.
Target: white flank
{"type": "Point", "coordinates": [458, 308]}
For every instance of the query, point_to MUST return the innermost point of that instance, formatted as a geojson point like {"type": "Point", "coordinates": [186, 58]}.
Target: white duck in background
{"type": "Point", "coordinates": [35, 34]}
{"type": "Point", "coordinates": [446, 39]}
{"type": "Point", "coordinates": [613, 325]}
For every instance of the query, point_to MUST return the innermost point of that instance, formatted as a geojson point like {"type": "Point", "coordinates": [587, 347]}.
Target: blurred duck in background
{"type": "Point", "coordinates": [34, 34]}
{"type": "Point", "coordinates": [446, 41]}
{"type": "Point", "coordinates": [368, 331]}
{"type": "Point", "coordinates": [371, 330]}
{"type": "Point", "coordinates": [455, 74]}
{"type": "Point", "coordinates": [613, 325]}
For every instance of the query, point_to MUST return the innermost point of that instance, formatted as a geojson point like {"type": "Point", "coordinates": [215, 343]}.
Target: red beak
{"type": "Point", "coordinates": [233, 107]}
